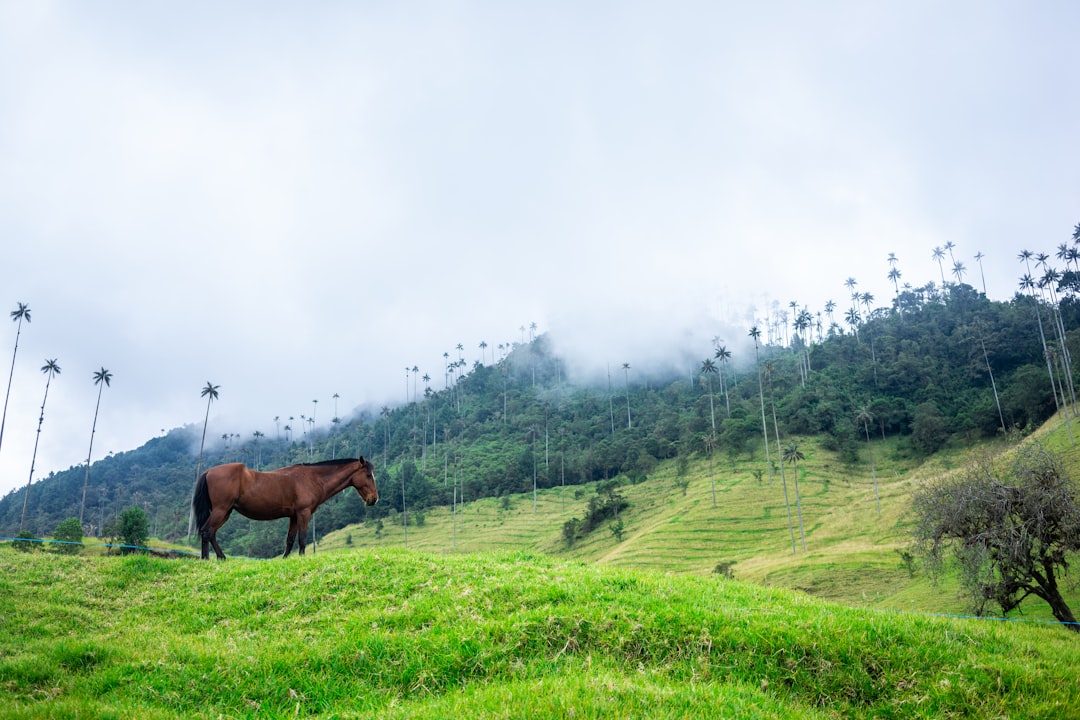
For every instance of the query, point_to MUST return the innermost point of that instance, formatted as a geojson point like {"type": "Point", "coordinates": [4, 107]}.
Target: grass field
{"type": "Point", "coordinates": [406, 634]}
{"type": "Point", "coordinates": [488, 614]}
{"type": "Point", "coordinates": [852, 554]}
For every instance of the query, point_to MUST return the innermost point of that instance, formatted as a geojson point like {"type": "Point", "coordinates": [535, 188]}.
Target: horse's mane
{"type": "Point", "coordinates": [339, 461]}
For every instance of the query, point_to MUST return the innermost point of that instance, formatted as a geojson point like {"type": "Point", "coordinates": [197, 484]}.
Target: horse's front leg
{"type": "Point", "coordinates": [292, 537]}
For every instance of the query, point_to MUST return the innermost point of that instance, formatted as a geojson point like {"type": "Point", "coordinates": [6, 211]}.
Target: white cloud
{"type": "Point", "coordinates": [296, 202]}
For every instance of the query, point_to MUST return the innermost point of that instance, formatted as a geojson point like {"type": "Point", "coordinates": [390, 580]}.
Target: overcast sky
{"type": "Point", "coordinates": [293, 200]}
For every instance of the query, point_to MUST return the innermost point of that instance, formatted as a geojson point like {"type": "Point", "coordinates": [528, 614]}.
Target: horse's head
{"type": "Point", "coordinates": [363, 479]}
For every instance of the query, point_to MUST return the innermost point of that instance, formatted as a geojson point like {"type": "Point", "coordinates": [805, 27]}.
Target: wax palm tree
{"type": "Point", "coordinates": [1027, 282]}
{"type": "Point", "coordinates": [949, 247]}
{"type": "Point", "coordinates": [958, 270]}
{"type": "Point", "coordinates": [210, 392]}
{"type": "Point", "coordinates": [723, 355]}
{"type": "Point", "coordinates": [51, 370]}
{"type": "Point", "coordinates": [708, 369]}
{"type": "Point", "coordinates": [20, 313]}
{"type": "Point", "coordinates": [978, 258]}
{"type": "Point", "coordinates": [986, 359]}
{"type": "Point", "coordinates": [710, 445]}
{"type": "Point", "coordinates": [850, 284]}
{"type": "Point", "coordinates": [866, 417]}
{"type": "Point", "coordinates": [939, 256]}
{"type": "Point", "coordinates": [894, 276]}
{"type": "Point", "coordinates": [793, 455]}
{"type": "Point", "coordinates": [102, 378]}
{"type": "Point", "coordinates": [756, 333]}
{"type": "Point", "coordinates": [626, 378]}
{"type": "Point", "coordinates": [852, 317]}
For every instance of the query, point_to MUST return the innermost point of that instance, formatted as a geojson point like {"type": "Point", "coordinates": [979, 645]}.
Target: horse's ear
{"type": "Point", "coordinates": [362, 460]}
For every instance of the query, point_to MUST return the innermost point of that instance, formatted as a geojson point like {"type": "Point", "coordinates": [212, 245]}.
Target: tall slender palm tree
{"type": "Point", "coordinates": [20, 313]}
{"type": "Point", "coordinates": [708, 369]}
{"type": "Point", "coordinates": [51, 369]}
{"type": "Point", "coordinates": [102, 378]}
{"type": "Point", "coordinates": [783, 474]}
{"type": "Point", "coordinates": [939, 256]}
{"type": "Point", "coordinates": [1027, 282]}
{"type": "Point", "coordinates": [894, 276]}
{"type": "Point", "coordinates": [723, 355]}
{"type": "Point", "coordinates": [978, 258]}
{"type": "Point", "coordinates": [850, 284]}
{"type": "Point", "coordinates": [958, 270]}
{"type": "Point", "coordinates": [626, 377]}
{"type": "Point", "coordinates": [793, 455]}
{"type": "Point", "coordinates": [756, 333]}
{"type": "Point", "coordinates": [866, 417]}
{"type": "Point", "coordinates": [210, 392]}
{"type": "Point", "coordinates": [949, 245]}
{"type": "Point", "coordinates": [710, 445]}
{"type": "Point", "coordinates": [986, 359]}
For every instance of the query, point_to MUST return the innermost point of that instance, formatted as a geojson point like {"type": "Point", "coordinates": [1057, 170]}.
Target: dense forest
{"type": "Point", "coordinates": [943, 364]}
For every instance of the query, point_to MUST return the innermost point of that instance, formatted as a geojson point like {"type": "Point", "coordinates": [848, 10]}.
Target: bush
{"type": "Point", "coordinates": [69, 534]}
{"type": "Point", "coordinates": [24, 542]}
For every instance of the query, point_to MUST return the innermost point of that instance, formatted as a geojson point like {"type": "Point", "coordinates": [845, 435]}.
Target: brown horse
{"type": "Point", "coordinates": [293, 492]}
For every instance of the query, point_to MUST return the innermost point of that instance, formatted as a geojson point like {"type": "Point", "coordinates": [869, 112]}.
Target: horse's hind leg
{"type": "Point", "coordinates": [291, 537]}
{"type": "Point", "coordinates": [209, 533]}
{"type": "Point", "coordinates": [302, 520]}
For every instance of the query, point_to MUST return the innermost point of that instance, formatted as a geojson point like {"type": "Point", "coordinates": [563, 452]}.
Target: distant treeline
{"type": "Point", "coordinates": [941, 365]}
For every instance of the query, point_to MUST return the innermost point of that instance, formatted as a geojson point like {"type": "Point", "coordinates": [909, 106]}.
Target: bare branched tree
{"type": "Point", "coordinates": [1010, 530]}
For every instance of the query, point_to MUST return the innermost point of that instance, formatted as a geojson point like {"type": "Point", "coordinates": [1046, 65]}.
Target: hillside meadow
{"type": "Point", "coordinates": [852, 554]}
{"type": "Point", "coordinates": [398, 633]}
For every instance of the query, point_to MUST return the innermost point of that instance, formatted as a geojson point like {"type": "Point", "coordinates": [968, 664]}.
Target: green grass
{"type": "Point", "coordinates": [403, 634]}
{"type": "Point", "coordinates": [852, 553]}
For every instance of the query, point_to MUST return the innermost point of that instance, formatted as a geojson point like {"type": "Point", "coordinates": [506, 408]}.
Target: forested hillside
{"type": "Point", "coordinates": [941, 365]}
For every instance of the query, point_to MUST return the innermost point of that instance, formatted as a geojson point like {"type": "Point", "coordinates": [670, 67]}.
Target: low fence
{"type": "Point", "coordinates": [159, 552]}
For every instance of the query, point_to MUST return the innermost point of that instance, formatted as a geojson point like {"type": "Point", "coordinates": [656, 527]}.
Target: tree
{"type": "Point", "coordinates": [1010, 531]}
{"type": "Point", "coordinates": [724, 355]}
{"type": "Point", "coordinates": [133, 529]}
{"type": "Point", "coordinates": [210, 392]}
{"type": "Point", "coordinates": [939, 256]}
{"type": "Point", "coordinates": [708, 369]}
{"type": "Point", "coordinates": [756, 333]}
{"type": "Point", "coordinates": [865, 418]}
{"type": "Point", "coordinates": [793, 455]}
{"type": "Point", "coordinates": [626, 378]}
{"type": "Point", "coordinates": [69, 534]}
{"type": "Point", "coordinates": [20, 313]}
{"type": "Point", "coordinates": [51, 369]}
{"type": "Point", "coordinates": [101, 376]}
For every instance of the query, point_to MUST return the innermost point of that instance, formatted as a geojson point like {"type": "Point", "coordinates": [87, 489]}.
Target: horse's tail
{"type": "Point", "coordinates": [200, 502]}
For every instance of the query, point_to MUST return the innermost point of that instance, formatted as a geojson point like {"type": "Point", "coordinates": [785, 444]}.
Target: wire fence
{"type": "Point", "coordinates": [160, 552]}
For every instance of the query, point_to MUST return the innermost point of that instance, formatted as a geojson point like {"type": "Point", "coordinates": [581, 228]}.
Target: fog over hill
{"type": "Point", "coordinates": [293, 204]}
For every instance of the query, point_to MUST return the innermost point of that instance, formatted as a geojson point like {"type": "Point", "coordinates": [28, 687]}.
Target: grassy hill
{"type": "Point", "coordinates": [406, 634]}
{"type": "Point", "coordinates": [852, 556]}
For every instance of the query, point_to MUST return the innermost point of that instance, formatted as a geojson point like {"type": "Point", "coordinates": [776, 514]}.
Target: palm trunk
{"type": "Point", "coordinates": [33, 458]}
{"type": "Point", "coordinates": [11, 374]}
{"type": "Point", "coordinates": [93, 429]}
